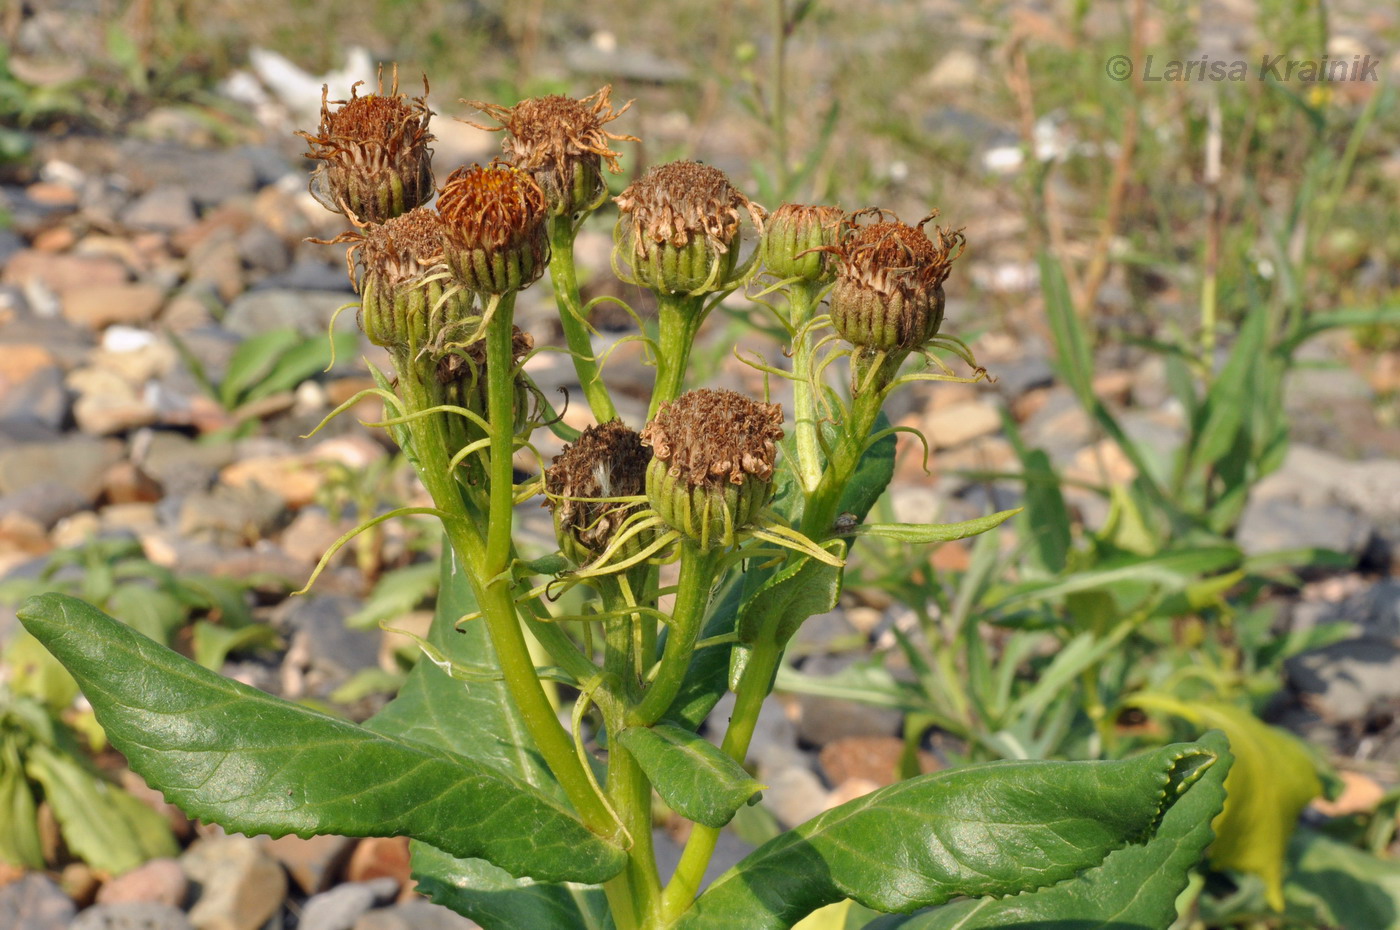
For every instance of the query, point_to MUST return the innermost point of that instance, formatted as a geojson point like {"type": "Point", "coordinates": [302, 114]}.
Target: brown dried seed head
{"type": "Point", "coordinates": [561, 142]}
{"type": "Point", "coordinates": [374, 149]}
{"type": "Point", "coordinates": [889, 280]}
{"type": "Point", "coordinates": [493, 227]}
{"type": "Point", "coordinates": [677, 202]}
{"type": "Point", "coordinates": [715, 437]}
{"type": "Point", "coordinates": [607, 460]}
{"type": "Point", "coordinates": [403, 247]}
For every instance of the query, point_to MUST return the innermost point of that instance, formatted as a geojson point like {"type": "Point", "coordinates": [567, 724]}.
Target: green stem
{"type": "Point", "coordinates": [487, 559]}
{"type": "Point", "coordinates": [687, 616]}
{"type": "Point", "coordinates": [822, 506]}
{"type": "Point", "coordinates": [802, 299]}
{"type": "Point", "coordinates": [749, 698]}
{"type": "Point", "coordinates": [564, 278]}
{"type": "Point", "coordinates": [678, 319]}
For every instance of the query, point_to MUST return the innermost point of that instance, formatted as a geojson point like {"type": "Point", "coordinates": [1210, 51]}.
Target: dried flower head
{"type": "Point", "coordinates": [607, 461]}
{"type": "Point", "coordinates": [494, 237]}
{"type": "Point", "coordinates": [793, 239]}
{"type": "Point", "coordinates": [679, 228]}
{"type": "Point", "coordinates": [561, 142]}
{"type": "Point", "coordinates": [376, 163]}
{"type": "Point", "coordinates": [889, 281]}
{"type": "Point", "coordinates": [712, 465]}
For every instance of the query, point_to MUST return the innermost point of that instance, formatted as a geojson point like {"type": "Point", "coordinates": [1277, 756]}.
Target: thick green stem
{"type": "Point", "coordinates": [749, 698]}
{"type": "Point", "coordinates": [678, 319]}
{"type": "Point", "coordinates": [802, 299]}
{"type": "Point", "coordinates": [687, 616]}
{"type": "Point", "coordinates": [823, 504]}
{"type": "Point", "coordinates": [564, 278]}
{"type": "Point", "coordinates": [487, 559]}
{"type": "Point", "coordinates": [630, 792]}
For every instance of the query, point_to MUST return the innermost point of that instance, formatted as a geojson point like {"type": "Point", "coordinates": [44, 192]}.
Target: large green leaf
{"type": "Point", "coordinates": [19, 832]}
{"type": "Point", "coordinates": [1339, 884]}
{"type": "Point", "coordinates": [1135, 888]}
{"type": "Point", "coordinates": [476, 719]}
{"type": "Point", "coordinates": [690, 773]}
{"type": "Point", "coordinates": [1273, 779]}
{"type": "Point", "coordinates": [993, 829]}
{"type": "Point", "coordinates": [257, 764]}
{"type": "Point", "coordinates": [928, 533]}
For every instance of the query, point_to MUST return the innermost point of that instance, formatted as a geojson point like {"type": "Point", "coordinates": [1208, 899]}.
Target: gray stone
{"type": "Point", "coordinates": [35, 902]}
{"type": "Point", "coordinates": [1346, 681]}
{"type": "Point", "coordinates": [341, 907]}
{"type": "Point", "coordinates": [40, 398]}
{"type": "Point", "coordinates": [824, 719]}
{"type": "Point", "coordinates": [76, 462]}
{"type": "Point", "coordinates": [267, 161]}
{"type": "Point", "coordinates": [308, 274]}
{"type": "Point", "coordinates": [46, 502]}
{"type": "Point", "coordinates": [132, 915]}
{"type": "Point", "coordinates": [415, 915]}
{"type": "Point", "coordinates": [309, 312]}
{"type": "Point", "coordinates": [10, 243]}
{"type": "Point", "coordinates": [324, 652]}
{"type": "Point", "coordinates": [1022, 375]}
{"type": "Point", "coordinates": [263, 250]}
{"type": "Point", "coordinates": [1373, 611]}
{"type": "Point", "coordinates": [1272, 525]}
{"type": "Point", "coordinates": [210, 176]}
{"type": "Point", "coordinates": [228, 516]}
{"type": "Point", "coordinates": [828, 632]}
{"type": "Point", "coordinates": [774, 742]}
{"type": "Point", "coordinates": [794, 795]}
{"type": "Point", "coordinates": [240, 886]}
{"type": "Point", "coordinates": [161, 209]}
{"type": "Point", "coordinates": [729, 849]}
{"type": "Point", "coordinates": [181, 465]}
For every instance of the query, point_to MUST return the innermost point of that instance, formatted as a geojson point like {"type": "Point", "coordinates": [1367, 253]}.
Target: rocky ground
{"type": "Point", "coordinates": [130, 263]}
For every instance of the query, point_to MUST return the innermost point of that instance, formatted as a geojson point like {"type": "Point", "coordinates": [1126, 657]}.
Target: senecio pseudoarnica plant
{"type": "Point", "coordinates": [521, 820]}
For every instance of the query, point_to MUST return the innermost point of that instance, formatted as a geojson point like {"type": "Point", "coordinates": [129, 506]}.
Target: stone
{"type": "Point", "coordinates": [240, 886]}
{"type": "Point", "coordinates": [308, 311]}
{"type": "Point", "coordinates": [63, 273]}
{"type": "Point", "coordinates": [824, 720]}
{"type": "Point", "coordinates": [208, 176]}
{"type": "Point", "coordinates": [263, 250]}
{"type": "Point", "coordinates": [310, 273]}
{"type": "Point", "coordinates": [850, 790]}
{"type": "Point", "coordinates": [166, 208]}
{"type": "Point", "coordinates": [79, 882]}
{"type": "Point", "coordinates": [216, 263]}
{"type": "Point", "coordinates": [1346, 682]}
{"type": "Point", "coordinates": [108, 404]}
{"type": "Point", "coordinates": [826, 632]}
{"type": "Point", "coordinates": [159, 881]}
{"type": "Point", "coordinates": [794, 794]}
{"type": "Point", "coordinates": [1361, 794]}
{"type": "Point", "coordinates": [135, 915]}
{"type": "Point", "coordinates": [228, 516]}
{"type": "Point", "coordinates": [35, 902]}
{"type": "Point", "coordinates": [342, 906]}
{"type": "Point", "coordinates": [1018, 377]}
{"type": "Point", "coordinates": [290, 478]}
{"type": "Point", "coordinates": [380, 857]}
{"type": "Point", "coordinates": [1271, 525]}
{"type": "Point", "coordinates": [728, 850]}
{"type": "Point", "coordinates": [324, 652]}
{"type": "Point", "coordinates": [310, 535]}
{"type": "Point", "coordinates": [45, 503]}
{"type": "Point", "coordinates": [313, 862]}
{"type": "Point", "coordinates": [868, 758]}
{"type": "Point", "coordinates": [774, 742]}
{"type": "Point", "coordinates": [420, 915]}
{"type": "Point", "coordinates": [960, 423]}
{"type": "Point", "coordinates": [181, 465]}
{"type": "Point", "coordinates": [77, 462]}
{"type": "Point", "coordinates": [100, 306]}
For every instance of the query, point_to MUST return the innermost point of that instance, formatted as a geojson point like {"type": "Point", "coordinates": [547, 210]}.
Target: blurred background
{"type": "Point", "coordinates": [1182, 279]}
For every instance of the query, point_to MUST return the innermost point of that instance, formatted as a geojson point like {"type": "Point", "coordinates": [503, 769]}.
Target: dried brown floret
{"type": "Point", "coordinates": [714, 437]}
{"type": "Point", "coordinates": [562, 143]}
{"type": "Point", "coordinates": [607, 461]}
{"type": "Point", "coordinates": [889, 281]}
{"type": "Point", "coordinates": [374, 149]}
{"type": "Point", "coordinates": [493, 228]}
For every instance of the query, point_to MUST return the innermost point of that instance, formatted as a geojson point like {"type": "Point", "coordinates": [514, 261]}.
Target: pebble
{"type": "Point", "coordinates": [240, 886]}
{"type": "Point", "coordinates": [308, 311]}
{"type": "Point", "coordinates": [102, 305]}
{"type": "Point", "coordinates": [342, 906]}
{"type": "Point", "coordinates": [1348, 681]}
{"type": "Point", "coordinates": [62, 273]}
{"type": "Point", "coordinates": [135, 915]}
{"type": "Point", "coordinates": [380, 857]}
{"type": "Point", "coordinates": [313, 862]}
{"type": "Point", "coordinates": [160, 881]}
{"type": "Point", "coordinates": [166, 208]}
{"type": "Point", "coordinates": [868, 758]}
{"type": "Point", "coordinates": [420, 915]}
{"type": "Point", "coordinates": [324, 652]}
{"type": "Point", "coordinates": [230, 517]}
{"type": "Point", "coordinates": [824, 720]}
{"type": "Point", "coordinates": [76, 462]}
{"type": "Point", "coordinates": [35, 902]}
